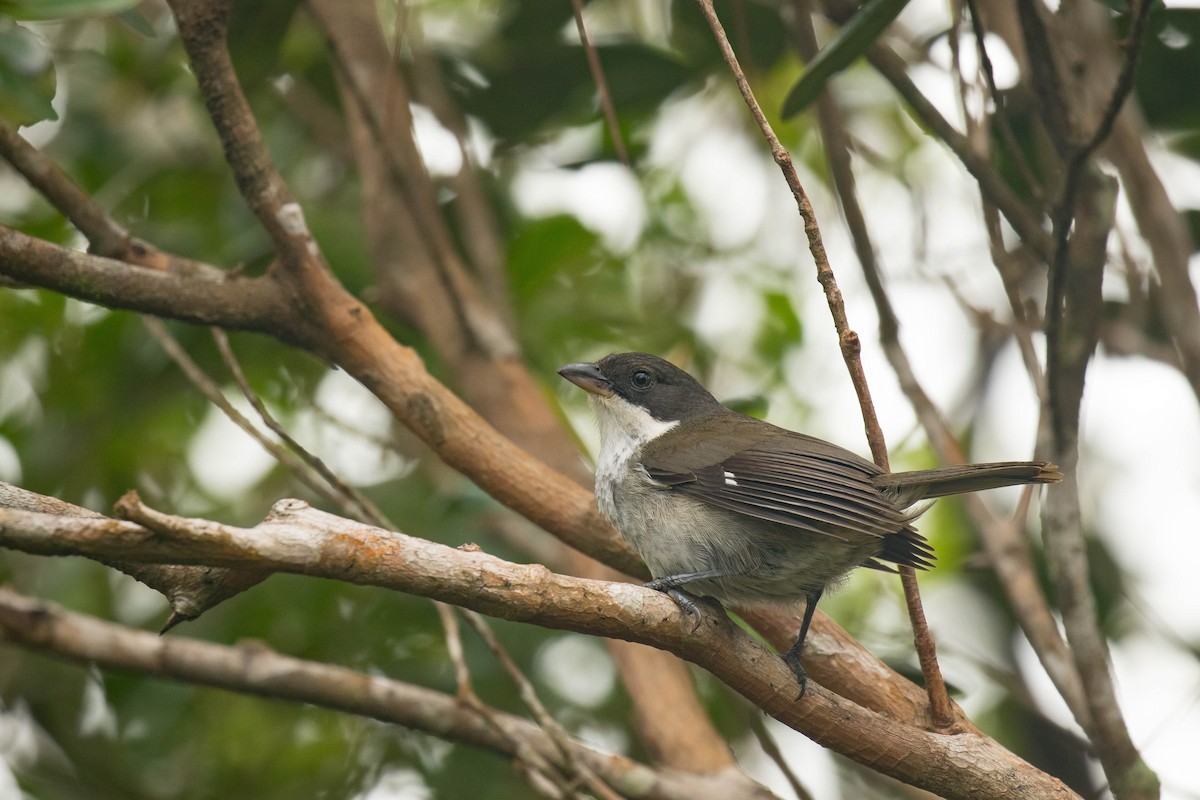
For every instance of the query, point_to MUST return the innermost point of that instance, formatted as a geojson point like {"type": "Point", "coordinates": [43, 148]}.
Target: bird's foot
{"type": "Point", "coordinates": [682, 599]}
{"type": "Point", "coordinates": [792, 659]}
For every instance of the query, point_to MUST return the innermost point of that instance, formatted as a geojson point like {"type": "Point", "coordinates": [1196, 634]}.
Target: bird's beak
{"type": "Point", "coordinates": [587, 377]}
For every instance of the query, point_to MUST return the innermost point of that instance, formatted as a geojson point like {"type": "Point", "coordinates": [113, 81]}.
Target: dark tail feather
{"type": "Point", "coordinates": [907, 488]}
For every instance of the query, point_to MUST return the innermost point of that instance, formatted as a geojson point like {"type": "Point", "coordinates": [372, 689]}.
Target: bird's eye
{"type": "Point", "coordinates": [641, 379]}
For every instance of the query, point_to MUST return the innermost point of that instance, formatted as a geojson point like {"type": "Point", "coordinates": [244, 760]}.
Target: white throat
{"type": "Point", "coordinates": [624, 428]}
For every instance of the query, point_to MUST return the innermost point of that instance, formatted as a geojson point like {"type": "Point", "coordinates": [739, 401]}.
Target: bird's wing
{"type": "Point", "coordinates": [817, 493]}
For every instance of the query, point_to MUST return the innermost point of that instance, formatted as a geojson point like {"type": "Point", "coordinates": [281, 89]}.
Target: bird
{"type": "Point", "coordinates": [722, 505]}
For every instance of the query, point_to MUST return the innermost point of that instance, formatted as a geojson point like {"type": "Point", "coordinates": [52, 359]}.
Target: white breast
{"type": "Point", "coordinates": [624, 428]}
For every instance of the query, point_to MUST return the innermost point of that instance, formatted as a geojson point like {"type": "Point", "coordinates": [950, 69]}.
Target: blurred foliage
{"type": "Point", "coordinates": [92, 407]}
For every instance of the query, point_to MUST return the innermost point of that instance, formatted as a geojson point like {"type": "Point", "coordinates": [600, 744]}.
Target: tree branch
{"type": "Point", "coordinates": [939, 701]}
{"type": "Point", "coordinates": [235, 302]}
{"type": "Point", "coordinates": [296, 538]}
{"type": "Point", "coordinates": [255, 669]}
{"type": "Point", "coordinates": [1008, 554]}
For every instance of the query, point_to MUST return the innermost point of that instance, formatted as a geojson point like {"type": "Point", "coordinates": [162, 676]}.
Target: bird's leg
{"type": "Point", "coordinates": [792, 656]}
{"type": "Point", "coordinates": [669, 585]}
{"type": "Point", "coordinates": [667, 582]}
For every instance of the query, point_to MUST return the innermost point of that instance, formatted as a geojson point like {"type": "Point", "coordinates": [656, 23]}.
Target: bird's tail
{"type": "Point", "coordinates": [907, 488]}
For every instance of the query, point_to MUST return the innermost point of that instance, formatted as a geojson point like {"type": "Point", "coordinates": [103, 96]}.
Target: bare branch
{"type": "Point", "coordinates": [106, 236]}
{"type": "Point", "coordinates": [255, 669]}
{"type": "Point", "coordinates": [893, 68]}
{"type": "Point", "coordinates": [772, 751]}
{"type": "Point", "coordinates": [939, 700]}
{"type": "Point", "coordinates": [311, 469]}
{"type": "Point", "coordinates": [239, 303]}
{"type": "Point", "coordinates": [203, 27]}
{"type": "Point", "coordinates": [297, 538]}
{"type": "Point", "coordinates": [597, 70]}
{"type": "Point", "coordinates": [1008, 553]}
{"type": "Point", "coordinates": [558, 734]}
{"type": "Point", "coordinates": [190, 590]}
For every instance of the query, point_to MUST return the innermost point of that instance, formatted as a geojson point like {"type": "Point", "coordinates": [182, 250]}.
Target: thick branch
{"type": "Point", "coordinates": [452, 429]}
{"type": "Point", "coordinates": [191, 590]}
{"type": "Point", "coordinates": [202, 29]}
{"type": "Point", "coordinates": [296, 538]}
{"type": "Point", "coordinates": [239, 303]}
{"type": "Point", "coordinates": [255, 669]}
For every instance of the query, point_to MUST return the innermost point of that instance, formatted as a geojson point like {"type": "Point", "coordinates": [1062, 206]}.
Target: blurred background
{"type": "Point", "coordinates": [694, 251]}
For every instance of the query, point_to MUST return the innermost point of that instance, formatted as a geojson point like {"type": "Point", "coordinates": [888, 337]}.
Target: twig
{"type": "Point", "coordinates": [106, 236]}
{"type": "Point", "coordinates": [1008, 552]}
{"type": "Point", "coordinates": [532, 766]}
{"type": "Point", "coordinates": [772, 751]}
{"type": "Point", "coordinates": [544, 718]}
{"type": "Point", "coordinates": [894, 70]}
{"type": "Point", "coordinates": [939, 700]}
{"type": "Point", "coordinates": [606, 102]}
{"type": "Point", "coordinates": [477, 218]}
{"type": "Point", "coordinates": [353, 501]}
{"type": "Point", "coordinates": [198, 378]}
{"type": "Point", "coordinates": [372, 79]}
{"type": "Point", "coordinates": [1009, 267]}
{"type": "Point", "coordinates": [1003, 124]}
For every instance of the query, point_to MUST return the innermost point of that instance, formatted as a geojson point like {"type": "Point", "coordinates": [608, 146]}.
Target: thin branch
{"type": "Point", "coordinates": [1083, 220]}
{"type": "Point", "coordinates": [473, 206]}
{"type": "Point", "coordinates": [1166, 233]}
{"type": "Point", "coordinates": [1012, 267]}
{"type": "Point", "coordinates": [894, 70]}
{"type": "Point", "coordinates": [532, 766]}
{"type": "Point", "coordinates": [366, 67]}
{"type": "Point", "coordinates": [1000, 115]}
{"type": "Point", "coordinates": [939, 701]}
{"type": "Point", "coordinates": [208, 387]}
{"type": "Point", "coordinates": [348, 498]}
{"type": "Point", "coordinates": [557, 733]}
{"type": "Point", "coordinates": [597, 70]}
{"type": "Point", "coordinates": [1008, 553]}
{"type": "Point", "coordinates": [257, 670]}
{"type": "Point", "coordinates": [771, 749]}
{"type": "Point", "coordinates": [300, 539]}
{"type": "Point", "coordinates": [106, 235]}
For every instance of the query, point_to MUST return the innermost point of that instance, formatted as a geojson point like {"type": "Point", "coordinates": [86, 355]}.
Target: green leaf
{"type": "Point", "coordinates": [59, 9]}
{"type": "Point", "coordinates": [851, 42]}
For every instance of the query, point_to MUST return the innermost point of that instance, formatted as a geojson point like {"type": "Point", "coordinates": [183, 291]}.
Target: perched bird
{"type": "Point", "coordinates": [731, 507]}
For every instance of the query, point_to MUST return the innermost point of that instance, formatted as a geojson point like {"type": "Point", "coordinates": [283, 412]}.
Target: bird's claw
{"type": "Point", "coordinates": [792, 659]}
{"type": "Point", "coordinates": [686, 604]}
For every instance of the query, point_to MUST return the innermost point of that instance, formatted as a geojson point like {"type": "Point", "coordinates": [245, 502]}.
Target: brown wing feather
{"type": "Point", "coordinates": [753, 468]}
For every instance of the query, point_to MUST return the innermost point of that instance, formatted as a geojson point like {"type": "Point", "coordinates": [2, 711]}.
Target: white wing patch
{"type": "Point", "coordinates": [730, 479]}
